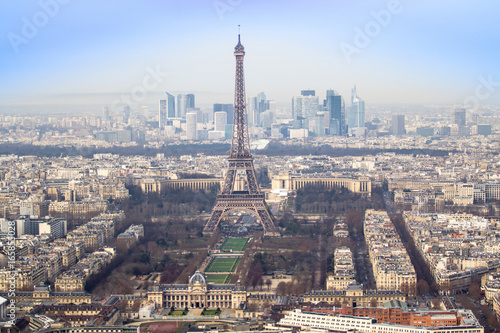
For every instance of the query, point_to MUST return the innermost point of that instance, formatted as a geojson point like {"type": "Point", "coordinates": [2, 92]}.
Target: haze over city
{"type": "Point", "coordinates": [394, 51]}
{"type": "Point", "coordinates": [251, 166]}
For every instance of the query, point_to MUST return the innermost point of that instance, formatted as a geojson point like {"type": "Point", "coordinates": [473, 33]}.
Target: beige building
{"type": "Point", "coordinates": [354, 296]}
{"type": "Point", "coordinates": [392, 267]}
{"type": "Point", "coordinates": [159, 185]}
{"type": "Point", "coordinates": [42, 293]}
{"type": "Point", "coordinates": [70, 281]}
{"type": "Point", "coordinates": [339, 282]}
{"type": "Point", "coordinates": [446, 187]}
{"type": "Point", "coordinates": [343, 270]}
{"type": "Point", "coordinates": [25, 276]}
{"type": "Point", "coordinates": [362, 185]}
{"type": "Point", "coordinates": [198, 294]}
{"type": "Point", "coordinates": [286, 181]}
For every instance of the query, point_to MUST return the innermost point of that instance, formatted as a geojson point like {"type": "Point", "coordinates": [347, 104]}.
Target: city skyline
{"type": "Point", "coordinates": [393, 51]}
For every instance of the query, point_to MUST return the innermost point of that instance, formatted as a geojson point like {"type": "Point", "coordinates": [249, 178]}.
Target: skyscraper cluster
{"type": "Point", "coordinates": [309, 116]}
{"type": "Point", "coordinates": [330, 117]}
{"type": "Point", "coordinates": [174, 111]}
{"type": "Point", "coordinates": [261, 111]}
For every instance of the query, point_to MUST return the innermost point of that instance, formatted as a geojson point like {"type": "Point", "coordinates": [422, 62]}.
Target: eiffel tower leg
{"type": "Point", "coordinates": [267, 222]}
{"type": "Point", "coordinates": [214, 220]}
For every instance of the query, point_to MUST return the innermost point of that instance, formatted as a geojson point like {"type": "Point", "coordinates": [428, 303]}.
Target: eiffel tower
{"type": "Point", "coordinates": [240, 159]}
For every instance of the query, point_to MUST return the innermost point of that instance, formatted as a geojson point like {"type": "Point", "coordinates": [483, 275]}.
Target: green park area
{"type": "Point", "coordinates": [211, 312]}
{"type": "Point", "coordinates": [218, 278]}
{"type": "Point", "coordinates": [235, 244]}
{"type": "Point", "coordinates": [178, 312]}
{"type": "Point", "coordinates": [222, 265]}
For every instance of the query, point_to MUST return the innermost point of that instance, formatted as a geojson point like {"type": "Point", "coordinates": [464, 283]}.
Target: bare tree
{"type": "Point", "coordinates": [281, 288]}
{"type": "Point", "coordinates": [422, 287]}
{"type": "Point", "coordinates": [268, 283]}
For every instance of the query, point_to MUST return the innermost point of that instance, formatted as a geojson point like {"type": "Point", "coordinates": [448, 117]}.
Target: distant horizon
{"type": "Point", "coordinates": [394, 51]}
{"type": "Point", "coordinates": [202, 100]}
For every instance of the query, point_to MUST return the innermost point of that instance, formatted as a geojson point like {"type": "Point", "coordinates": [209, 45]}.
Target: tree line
{"type": "Point", "coordinates": [274, 148]}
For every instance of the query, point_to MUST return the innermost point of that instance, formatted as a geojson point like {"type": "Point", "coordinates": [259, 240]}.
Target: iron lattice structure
{"type": "Point", "coordinates": [240, 159]}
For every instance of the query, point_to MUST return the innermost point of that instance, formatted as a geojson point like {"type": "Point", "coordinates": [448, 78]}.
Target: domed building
{"type": "Point", "coordinates": [198, 294]}
{"type": "Point", "coordinates": [197, 279]}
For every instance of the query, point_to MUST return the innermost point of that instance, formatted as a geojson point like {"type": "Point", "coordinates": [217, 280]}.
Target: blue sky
{"type": "Point", "coordinates": [423, 52]}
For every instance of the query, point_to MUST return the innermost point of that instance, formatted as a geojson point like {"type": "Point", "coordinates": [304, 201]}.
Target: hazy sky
{"type": "Point", "coordinates": [394, 51]}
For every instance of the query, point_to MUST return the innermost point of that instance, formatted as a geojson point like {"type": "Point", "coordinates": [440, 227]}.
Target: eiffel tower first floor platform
{"type": "Point", "coordinates": [251, 203]}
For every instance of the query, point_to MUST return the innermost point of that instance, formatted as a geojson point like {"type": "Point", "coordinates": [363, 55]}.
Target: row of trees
{"type": "Point", "coordinates": [421, 268]}
{"type": "Point", "coordinates": [317, 199]}
{"type": "Point", "coordinates": [172, 201]}
{"type": "Point", "coordinates": [275, 148]}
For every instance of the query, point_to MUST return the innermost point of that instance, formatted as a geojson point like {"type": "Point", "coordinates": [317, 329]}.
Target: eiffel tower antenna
{"type": "Point", "coordinates": [234, 196]}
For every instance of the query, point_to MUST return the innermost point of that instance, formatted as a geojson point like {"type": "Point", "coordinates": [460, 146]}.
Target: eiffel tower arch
{"type": "Point", "coordinates": [235, 197]}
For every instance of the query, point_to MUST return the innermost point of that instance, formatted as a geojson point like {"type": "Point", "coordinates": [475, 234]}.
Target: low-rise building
{"type": "Point", "coordinates": [198, 294]}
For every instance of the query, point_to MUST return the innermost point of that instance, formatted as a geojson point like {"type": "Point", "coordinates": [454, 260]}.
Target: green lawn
{"type": "Point", "coordinates": [210, 312]}
{"type": "Point", "coordinates": [235, 244]}
{"type": "Point", "coordinates": [218, 278]}
{"type": "Point", "coordinates": [222, 265]}
{"type": "Point", "coordinates": [177, 313]}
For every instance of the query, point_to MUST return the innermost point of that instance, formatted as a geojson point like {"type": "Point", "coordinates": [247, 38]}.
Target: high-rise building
{"type": "Point", "coordinates": [191, 120]}
{"type": "Point", "coordinates": [170, 106]}
{"type": "Point", "coordinates": [356, 116]}
{"type": "Point", "coordinates": [336, 110]}
{"type": "Point", "coordinates": [190, 101]}
{"type": "Point", "coordinates": [267, 119]}
{"type": "Point", "coordinates": [307, 92]}
{"type": "Point", "coordinates": [167, 110]}
{"type": "Point", "coordinates": [126, 113]}
{"type": "Point", "coordinates": [253, 112]}
{"type": "Point", "coordinates": [228, 108]}
{"type": "Point", "coordinates": [304, 109]}
{"type": "Point", "coordinates": [261, 102]}
{"type": "Point", "coordinates": [458, 116]}
{"type": "Point", "coordinates": [181, 106]}
{"type": "Point", "coordinates": [319, 125]}
{"type": "Point", "coordinates": [105, 113]}
{"type": "Point", "coordinates": [297, 108]}
{"type": "Point", "coordinates": [220, 120]}
{"type": "Point", "coordinates": [198, 112]}
{"type": "Point", "coordinates": [162, 113]}
{"type": "Point", "coordinates": [398, 124]}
